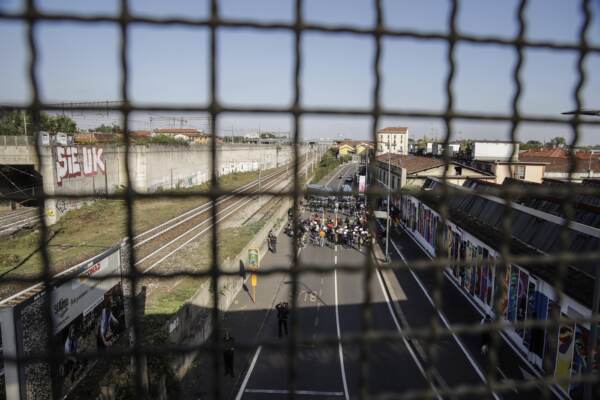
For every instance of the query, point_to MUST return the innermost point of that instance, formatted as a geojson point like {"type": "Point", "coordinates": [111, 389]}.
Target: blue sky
{"type": "Point", "coordinates": [170, 64]}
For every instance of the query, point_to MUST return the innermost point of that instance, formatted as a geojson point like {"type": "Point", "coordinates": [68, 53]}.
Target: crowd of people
{"type": "Point", "coordinates": [348, 227]}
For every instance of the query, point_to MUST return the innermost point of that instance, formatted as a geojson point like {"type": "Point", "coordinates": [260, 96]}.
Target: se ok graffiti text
{"type": "Point", "coordinates": [74, 161]}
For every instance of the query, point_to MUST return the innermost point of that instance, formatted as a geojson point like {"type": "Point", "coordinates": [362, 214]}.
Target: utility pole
{"type": "Point", "coordinates": [24, 122]}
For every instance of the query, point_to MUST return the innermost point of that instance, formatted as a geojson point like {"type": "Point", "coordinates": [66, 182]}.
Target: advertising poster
{"type": "Point", "coordinates": [97, 328]}
{"type": "Point", "coordinates": [579, 365]}
{"type": "Point", "coordinates": [88, 315]}
{"type": "Point", "coordinates": [522, 299]}
{"type": "Point", "coordinates": [564, 355]}
{"type": "Point", "coordinates": [505, 291]}
{"type": "Point", "coordinates": [512, 294]}
{"type": "Point", "coordinates": [468, 263]}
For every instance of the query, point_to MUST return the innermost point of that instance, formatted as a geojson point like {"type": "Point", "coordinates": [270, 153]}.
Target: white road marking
{"type": "Point", "coordinates": [296, 392]}
{"type": "Point", "coordinates": [335, 260]}
{"type": "Point", "coordinates": [506, 339]}
{"type": "Point", "coordinates": [444, 320]}
{"type": "Point", "coordinates": [505, 377]}
{"type": "Point", "coordinates": [337, 323]}
{"type": "Point", "coordinates": [410, 350]}
{"type": "Point", "coordinates": [248, 373]}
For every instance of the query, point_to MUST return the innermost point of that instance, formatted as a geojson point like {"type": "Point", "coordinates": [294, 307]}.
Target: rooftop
{"type": "Point", "coordinates": [393, 129]}
{"type": "Point", "coordinates": [532, 231]}
{"type": "Point", "coordinates": [414, 163]}
{"type": "Point", "coordinates": [179, 131]}
{"type": "Point", "coordinates": [410, 162]}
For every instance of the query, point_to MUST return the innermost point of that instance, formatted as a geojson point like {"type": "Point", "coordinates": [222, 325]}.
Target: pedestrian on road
{"type": "Point", "coordinates": [282, 317]}
{"type": "Point", "coordinates": [272, 241]}
{"type": "Point", "coordinates": [322, 237]}
{"type": "Point", "coordinates": [228, 350]}
{"type": "Point", "coordinates": [485, 336]}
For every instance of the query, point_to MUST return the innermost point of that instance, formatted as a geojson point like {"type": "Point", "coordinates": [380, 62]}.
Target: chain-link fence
{"type": "Point", "coordinates": [556, 265]}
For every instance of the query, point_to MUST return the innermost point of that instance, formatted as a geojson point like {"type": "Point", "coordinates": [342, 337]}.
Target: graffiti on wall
{"type": "Point", "coordinates": [72, 161]}
{"type": "Point", "coordinates": [64, 205]}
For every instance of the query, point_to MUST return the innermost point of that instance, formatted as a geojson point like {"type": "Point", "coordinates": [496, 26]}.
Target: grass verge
{"type": "Point", "coordinates": [87, 231]}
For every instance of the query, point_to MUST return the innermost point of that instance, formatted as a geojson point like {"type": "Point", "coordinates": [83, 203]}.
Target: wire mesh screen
{"type": "Point", "coordinates": [555, 265]}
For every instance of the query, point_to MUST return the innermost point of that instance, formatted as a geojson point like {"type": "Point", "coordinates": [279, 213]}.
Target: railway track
{"type": "Point", "coordinates": [155, 245]}
{"type": "Point", "coordinates": [159, 243]}
{"type": "Point", "coordinates": [16, 220]}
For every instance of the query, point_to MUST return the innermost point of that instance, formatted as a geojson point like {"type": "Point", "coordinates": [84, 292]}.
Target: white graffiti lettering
{"type": "Point", "coordinates": [75, 161]}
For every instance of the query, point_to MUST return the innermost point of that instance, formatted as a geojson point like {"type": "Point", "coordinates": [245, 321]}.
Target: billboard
{"type": "Point", "coordinates": [362, 183]}
{"type": "Point", "coordinates": [88, 315]}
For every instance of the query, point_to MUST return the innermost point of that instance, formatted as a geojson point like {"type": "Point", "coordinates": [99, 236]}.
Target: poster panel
{"type": "Point", "coordinates": [98, 328]}
{"type": "Point", "coordinates": [512, 294]}
{"type": "Point", "coordinates": [522, 299]}
{"type": "Point", "coordinates": [361, 183]}
{"type": "Point", "coordinates": [74, 297]}
{"type": "Point", "coordinates": [579, 365]}
{"type": "Point", "coordinates": [564, 354]}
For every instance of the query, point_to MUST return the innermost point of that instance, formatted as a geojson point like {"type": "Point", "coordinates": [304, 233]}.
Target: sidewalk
{"type": "Point", "coordinates": [459, 310]}
{"type": "Point", "coordinates": [245, 320]}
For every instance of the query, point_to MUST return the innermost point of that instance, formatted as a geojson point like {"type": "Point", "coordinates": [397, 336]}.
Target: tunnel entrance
{"type": "Point", "coordinates": [19, 185]}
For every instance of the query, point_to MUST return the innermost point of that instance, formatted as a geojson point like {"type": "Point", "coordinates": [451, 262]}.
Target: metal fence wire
{"type": "Point", "coordinates": [559, 260]}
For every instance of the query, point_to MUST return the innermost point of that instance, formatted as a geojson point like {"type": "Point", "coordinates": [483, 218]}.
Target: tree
{"type": "Point", "coordinates": [58, 123]}
{"type": "Point", "coordinates": [114, 128]}
{"type": "Point", "coordinates": [16, 122]}
{"type": "Point", "coordinates": [558, 141]}
{"type": "Point", "coordinates": [11, 123]}
{"type": "Point", "coordinates": [531, 144]}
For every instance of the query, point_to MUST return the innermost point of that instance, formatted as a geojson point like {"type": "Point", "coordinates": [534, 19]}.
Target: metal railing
{"type": "Point", "coordinates": [32, 16]}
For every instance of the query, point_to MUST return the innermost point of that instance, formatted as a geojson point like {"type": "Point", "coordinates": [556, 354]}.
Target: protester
{"type": "Point", "coordinates": [282, 317]}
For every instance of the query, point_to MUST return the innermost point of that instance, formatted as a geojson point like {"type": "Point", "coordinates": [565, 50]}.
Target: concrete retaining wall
{"type": "Point", "coordinates": [95, 170]}
{"type": "Point", "coordinates": [192, 325]}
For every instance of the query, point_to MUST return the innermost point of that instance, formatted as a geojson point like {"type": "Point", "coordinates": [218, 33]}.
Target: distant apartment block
{"type": "Point", "coordinates": [393, 139]}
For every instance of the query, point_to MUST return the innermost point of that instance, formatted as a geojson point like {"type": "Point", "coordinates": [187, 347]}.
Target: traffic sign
{"type": "Point", "coordinates": [253, 259]}
{"type": "Point", "coordinates": [253, 279]}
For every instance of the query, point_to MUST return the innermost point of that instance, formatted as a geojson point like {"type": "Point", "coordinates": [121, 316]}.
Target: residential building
{"type": "Point", "coordinates": [413, 171]}
{"type": "Point", "coordinates": [558, 163]}
{"type": "Point", "coordinates": [392, 140]}
{"type": "Point", "coordinates": [196, 136]}
{"type": "Point", "coordinates": [531, 171]}
{"type": "Point", "coordinates": [346, 149]}
{"type": "Point", "coordinates": [351, 147]}
{"type": "Point", "coordinates": [363, 147]}
{"type": "Point", "coordinates": [140, 134]}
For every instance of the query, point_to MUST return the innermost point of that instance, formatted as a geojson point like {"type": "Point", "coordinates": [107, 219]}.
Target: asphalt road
{"type": "Point", "coordinates": [331, 306]}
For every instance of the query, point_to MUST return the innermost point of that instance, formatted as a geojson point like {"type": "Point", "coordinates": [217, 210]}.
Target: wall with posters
{"type": "Point", "coordinates": [88, 314]}
{"type": "Point", "coordinates": [474, 266]}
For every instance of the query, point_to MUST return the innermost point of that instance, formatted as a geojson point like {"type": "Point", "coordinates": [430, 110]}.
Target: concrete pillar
{"type": "Point", "coordinates": [48, 172]}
